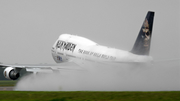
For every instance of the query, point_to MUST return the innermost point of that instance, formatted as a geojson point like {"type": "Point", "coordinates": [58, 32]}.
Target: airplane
{"type": "Point", "coordinates": [69, 50]}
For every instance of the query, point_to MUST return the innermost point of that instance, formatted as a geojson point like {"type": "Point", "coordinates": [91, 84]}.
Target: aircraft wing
{"type": "Point", "coordinates": [38, 65]}
{"type": "Point", "coordinates": [42, 67]}
{"type": "Point", "coordinates": [12, 71]}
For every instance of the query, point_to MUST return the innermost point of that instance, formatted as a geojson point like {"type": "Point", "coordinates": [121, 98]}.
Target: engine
{"type": "Point", "coordinates": [11, 73]}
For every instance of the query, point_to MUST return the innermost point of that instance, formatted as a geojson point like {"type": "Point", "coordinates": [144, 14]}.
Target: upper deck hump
{"type": "Point", "coordinates": [76, 39]}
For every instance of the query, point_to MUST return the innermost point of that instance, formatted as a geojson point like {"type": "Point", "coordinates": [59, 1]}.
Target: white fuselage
{"type": "Point", "coordinates": [71, 47]}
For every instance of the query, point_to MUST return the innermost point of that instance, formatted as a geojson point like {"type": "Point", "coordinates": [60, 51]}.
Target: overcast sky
{"type": "Point", "coordinates": [29, 28]}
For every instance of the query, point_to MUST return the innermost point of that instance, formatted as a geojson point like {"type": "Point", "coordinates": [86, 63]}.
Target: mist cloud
{"type": "Point", "coordinates": [163, 76]}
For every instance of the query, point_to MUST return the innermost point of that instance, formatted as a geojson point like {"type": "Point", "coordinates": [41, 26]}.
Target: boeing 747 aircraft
{"type": "Point", "coordinates": [74, 50]}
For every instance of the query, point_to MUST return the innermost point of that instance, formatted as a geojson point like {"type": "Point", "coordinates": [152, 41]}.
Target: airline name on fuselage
{"type": "Point", "coordinates": [96, 54]}
{"type": "Point", "coordinates": [62, 45]}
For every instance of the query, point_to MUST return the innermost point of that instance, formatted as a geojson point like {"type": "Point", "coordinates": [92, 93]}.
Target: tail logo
{"type": "Point", "coordinates": [146, 34]}
{"type": "Point", "coordinates": [143, 41]}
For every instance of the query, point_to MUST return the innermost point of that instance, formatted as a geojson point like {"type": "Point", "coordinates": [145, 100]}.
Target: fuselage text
{"type": "Point", "coordinates": [62, 45]}
{"type": "Point", "coordinates": [98, 55]}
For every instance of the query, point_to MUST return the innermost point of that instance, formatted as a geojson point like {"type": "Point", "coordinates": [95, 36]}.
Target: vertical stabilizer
{"type": "Point", "coordinates": [143, 41]}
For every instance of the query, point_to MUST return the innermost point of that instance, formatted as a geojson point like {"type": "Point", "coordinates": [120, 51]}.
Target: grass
{"type": "Point", "coordinates": [7, 83]}
{"type": "Point", "coordinates": [89, 96]}
{"type": "Point", "coordinates": [85, 95]}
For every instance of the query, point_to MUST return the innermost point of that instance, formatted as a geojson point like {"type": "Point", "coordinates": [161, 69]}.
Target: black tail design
{"type": "Point", "coordinates": [143, 41]}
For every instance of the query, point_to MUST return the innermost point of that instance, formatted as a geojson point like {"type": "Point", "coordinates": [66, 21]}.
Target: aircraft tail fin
{"type": "Point", "coordinates": [143, 41]}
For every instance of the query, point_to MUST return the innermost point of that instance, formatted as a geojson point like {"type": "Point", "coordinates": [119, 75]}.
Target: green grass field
{"type": "Point", "coordinates": [89, 96]}
{"type": "Point", "coordinates": [85, 95]}
{"type": "Point", "coordinates": [7, 83]}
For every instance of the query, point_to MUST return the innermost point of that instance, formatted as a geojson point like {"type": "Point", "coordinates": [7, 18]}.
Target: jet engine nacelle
{"type": "Point", "coordinates": [10, 73]}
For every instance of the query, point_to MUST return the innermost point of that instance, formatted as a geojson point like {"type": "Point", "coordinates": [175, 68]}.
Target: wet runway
{"type": "Point", "coordinates": [6, 88]}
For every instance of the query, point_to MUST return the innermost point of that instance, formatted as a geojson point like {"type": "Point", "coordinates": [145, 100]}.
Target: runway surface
{"type": "Point", "coordinates": [6, 88]}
